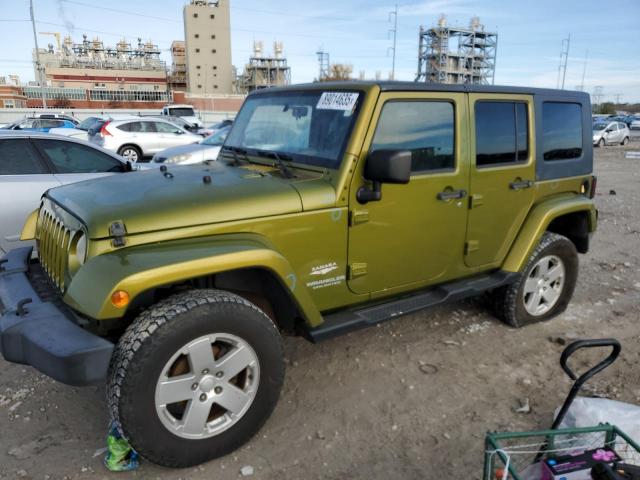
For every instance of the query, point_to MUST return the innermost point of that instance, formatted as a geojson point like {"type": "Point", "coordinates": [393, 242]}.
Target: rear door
{"type": "Point", "coordinates": [24, 177]}
{"type": "Point", "coordinates": [502, 175]}
{"type": "Point", "coordinates": [72, 162]}
{"type": "Point", "coordinates": [414, 235]}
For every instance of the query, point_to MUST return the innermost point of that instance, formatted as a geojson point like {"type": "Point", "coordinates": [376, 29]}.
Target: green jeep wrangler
{"type": "Point", "coordinates": [332, 207]}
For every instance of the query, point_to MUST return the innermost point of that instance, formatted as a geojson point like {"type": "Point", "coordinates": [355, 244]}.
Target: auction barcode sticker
{"type": "Point", "coordinates": [337, 101]}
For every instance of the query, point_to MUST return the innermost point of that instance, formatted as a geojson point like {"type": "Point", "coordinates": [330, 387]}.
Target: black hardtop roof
{"type": "Point", "coordinates": [398, 86]}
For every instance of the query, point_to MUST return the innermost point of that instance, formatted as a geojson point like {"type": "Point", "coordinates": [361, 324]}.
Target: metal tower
{"type": "Point", "coordinates": [457, 55]}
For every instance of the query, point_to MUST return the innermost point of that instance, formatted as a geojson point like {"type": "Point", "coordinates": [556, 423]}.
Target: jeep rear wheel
{"type": "Point", "coordinates": [545, 286]}
{"type": "Point", "coordinates": [195, 377]}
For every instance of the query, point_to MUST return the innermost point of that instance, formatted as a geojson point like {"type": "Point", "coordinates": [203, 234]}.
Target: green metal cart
{"type": "Point", "coordinates": [520, 455]}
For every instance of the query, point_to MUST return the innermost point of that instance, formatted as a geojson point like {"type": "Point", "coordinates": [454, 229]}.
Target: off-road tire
{"type": "Point", "coordinates": [156, 335]}
{"type": "Point", "coordinates": [122, 152]}
{"type": "Point", "coordinates": [508, 301]}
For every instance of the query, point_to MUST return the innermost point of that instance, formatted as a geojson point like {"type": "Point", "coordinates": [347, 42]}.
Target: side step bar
{"type": "Point", "coordinates": [349, 320]}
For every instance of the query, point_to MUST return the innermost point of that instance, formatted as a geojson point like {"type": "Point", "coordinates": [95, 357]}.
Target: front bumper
{"type": "Point", "coordinates": [40, 334]}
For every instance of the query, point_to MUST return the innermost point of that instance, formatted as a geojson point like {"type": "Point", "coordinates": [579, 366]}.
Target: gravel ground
{"type": "Point", "coordinates": [409, 399]}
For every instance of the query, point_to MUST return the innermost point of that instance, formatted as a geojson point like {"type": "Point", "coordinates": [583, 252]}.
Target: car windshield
{"type": "Point", "coordinates": [217, 138]}
{"type": "Point", "coordinates": [307, 127]}
{"type": "Point", "coordinates": [182, 112]}
{"type": "Point", "coordinates": [87, 123]}
{"type": "Point", "coordinates": [599, 126]}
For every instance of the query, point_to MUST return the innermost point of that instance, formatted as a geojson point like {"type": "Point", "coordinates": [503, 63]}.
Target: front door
{"type": "Point", "coordinates": [415, 234]}
{"type": "Point", "coordinates": [502, 175]}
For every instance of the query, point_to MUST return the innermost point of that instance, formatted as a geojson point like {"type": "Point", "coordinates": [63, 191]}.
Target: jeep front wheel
{"type": "Point", "coordinates": [195, 377]}
{"type": "Point", "coordinates": [544, 288]}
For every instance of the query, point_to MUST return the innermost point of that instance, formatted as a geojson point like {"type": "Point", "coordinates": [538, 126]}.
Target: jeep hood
{"type": "Point", "coordinates": [153, 200]}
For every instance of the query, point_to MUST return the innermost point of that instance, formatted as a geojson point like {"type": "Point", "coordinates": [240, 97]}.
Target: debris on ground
{"type": "Point", "coordinates": [246, 471]}
{"type": "Point", "coordinates": [524, 406]}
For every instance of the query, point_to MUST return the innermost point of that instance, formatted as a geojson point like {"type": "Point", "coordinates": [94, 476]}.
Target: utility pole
{"type": "Point", "coordinates": [394, 31]}
{"type": "Point", "coordinates": [323, 62]}
{"type": "Point", "coordinates": [597, 94]}
{"type": "Point", "coordinates": [564, 57]}
{"type": "Point", "coordinates": [584, 70]}
{"type": "Point", "coordinates": [39, 68]}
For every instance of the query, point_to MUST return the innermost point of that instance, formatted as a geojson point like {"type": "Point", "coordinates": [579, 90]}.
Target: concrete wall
{"type": "Point", "coordinates": [8, 115]}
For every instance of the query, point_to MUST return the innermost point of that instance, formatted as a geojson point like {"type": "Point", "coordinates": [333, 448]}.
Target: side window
{"type": "Point", "coordinates": [502, 134]}
{"type": "Point", "coordinates": [46, 123]}
{"type": "Point", "coordinates": [426, 128]}
{"type": "Point", "coordinates": [129, 127]}
{"type": "Point", "coordinates": [561, 130]}
{"type": "Point", "coordinates": [17, 157]}
{"type": "Point", "coordinates": [162, 127]}
{"type": "Point", "coordinates": [147, 127]}
{"type": "Point", "coordinates": [71, 157]}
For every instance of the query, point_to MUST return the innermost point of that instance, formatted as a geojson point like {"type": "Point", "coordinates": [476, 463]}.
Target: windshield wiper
{"type": "Point", "coordinates": [280, 158]}
{"type": "Point", "coordinates": [234, 153]}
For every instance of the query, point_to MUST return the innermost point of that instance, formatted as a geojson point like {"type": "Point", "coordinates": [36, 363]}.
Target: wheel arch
{"type": "Point", "coordinates": [130, 144]}
{"type": "Point", "coordinates": [238, 263]}
{"type": "Point", "coordinates": [573, 216]}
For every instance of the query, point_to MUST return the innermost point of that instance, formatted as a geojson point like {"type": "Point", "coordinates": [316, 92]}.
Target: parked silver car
{"type": "Point", "coordinates": [33, 162]}
{"type": "Point", "coordinates": [140, 137]}
{"type": "Point", "coordinates": [207, 149]}
{"type": "Point", "coordinates": [611, 133]}
{"type": "Point", "coordinates": [88, 126]}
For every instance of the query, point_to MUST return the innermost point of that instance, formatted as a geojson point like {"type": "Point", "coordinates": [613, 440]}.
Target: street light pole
{"type": "Point", "coordinates": [42, 79]}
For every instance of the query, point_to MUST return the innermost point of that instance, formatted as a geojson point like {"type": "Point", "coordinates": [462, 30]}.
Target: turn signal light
{"type": "Point", "coordinates": [120, 299]}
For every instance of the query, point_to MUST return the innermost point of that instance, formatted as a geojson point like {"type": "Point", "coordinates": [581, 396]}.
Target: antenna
{"type": "Point", "coordinates": [584, 70]}
{"type": "Point", "coordinates": [564, 57]}
{"type": "Point", "coordinates": [393, 16]}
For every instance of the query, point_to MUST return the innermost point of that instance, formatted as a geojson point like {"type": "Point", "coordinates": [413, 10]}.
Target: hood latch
{"type": "Point", "coordinates": [118, 231]}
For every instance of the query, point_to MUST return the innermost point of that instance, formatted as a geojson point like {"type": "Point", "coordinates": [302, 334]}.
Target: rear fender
{"type": "Point", "coordinates": [539, 220]}
{"type": "Point", "coordinates": [141, 268]}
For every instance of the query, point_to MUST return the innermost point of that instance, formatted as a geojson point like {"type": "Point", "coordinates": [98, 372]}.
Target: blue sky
{"type": "Point", "coordinates": [356, 31]}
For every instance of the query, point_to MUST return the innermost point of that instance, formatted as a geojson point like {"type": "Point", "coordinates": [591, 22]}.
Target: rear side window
{"type": "Point", "coordinates": [426, 128]}
{"type": "Point", "coordinates": [71, 157]}
{"type": "Point", "coordinates": [502, 134]}
{"type": "Point", "coordinates": [561, 130]}
{"type": "Point", "coordinates": [17, 157]}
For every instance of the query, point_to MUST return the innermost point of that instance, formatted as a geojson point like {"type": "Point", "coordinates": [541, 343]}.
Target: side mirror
{"type": "Point", "coordinates": [384, 166]}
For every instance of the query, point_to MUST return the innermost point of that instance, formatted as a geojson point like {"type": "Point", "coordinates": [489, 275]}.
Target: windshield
{"type": "Point", "coordinates": [309, 127]}
{"type": "Point", "coordinates": [182, 112]}
{"type": "Point", "coordinates": [599, 126]}
{"type": "Point", "coordinates": [217, 138]}
{"type": "Point", "coordinates": [87, 123]}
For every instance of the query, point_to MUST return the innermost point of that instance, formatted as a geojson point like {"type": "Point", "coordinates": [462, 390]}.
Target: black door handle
{"type": "Point", "coordinates": [451, 195]}
{"type": "Point", "coordinates": [520, 184]}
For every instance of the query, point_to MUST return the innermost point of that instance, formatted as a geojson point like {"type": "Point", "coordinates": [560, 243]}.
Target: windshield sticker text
{"type": "Point", "coordinates": [337, 101]}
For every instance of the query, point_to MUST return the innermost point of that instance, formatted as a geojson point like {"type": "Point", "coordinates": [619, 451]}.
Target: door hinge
{"type": "Point", "coordinates": [358, 216]}
{"type": "Point", "coordinates": [475, 200]}
{"type": "Point", "coordinates": [471, 246]}
{"type": "Point", "coordinates": [357, 270]}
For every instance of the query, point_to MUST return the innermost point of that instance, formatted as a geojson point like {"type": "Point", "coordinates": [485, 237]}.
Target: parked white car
{"type": "Point", "coordinates": [184, 111]}
{"type": "Point", "coordinates": [139, 137]}
{"type": "Point", "coordinates": [88, 126]}
{"type": "Point", "coordinates": [32, 163]}
{"type": "Point", "coordinates": [207, 149]}
{"type": "Point", "coordinates": [635, 124]}
{"type": "Point", "coordinates": [612, 133]}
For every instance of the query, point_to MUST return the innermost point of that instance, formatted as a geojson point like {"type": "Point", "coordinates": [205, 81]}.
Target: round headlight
{"type": "Point", "coordinates": [81, 248]}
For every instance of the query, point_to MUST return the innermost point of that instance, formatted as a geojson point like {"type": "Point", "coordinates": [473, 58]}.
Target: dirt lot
{"type": "Point", "coordinates": [409, 399]}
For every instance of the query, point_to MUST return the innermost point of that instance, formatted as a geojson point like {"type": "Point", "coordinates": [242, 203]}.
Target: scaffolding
{"type": "Point", "coordinates": [265, 71]}
{"type": "Point", "coordinates": [457, 55]}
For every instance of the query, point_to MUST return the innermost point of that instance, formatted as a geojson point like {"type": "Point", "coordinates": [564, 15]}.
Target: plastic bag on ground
{"type": "Point", "coordinates": [121, 457]}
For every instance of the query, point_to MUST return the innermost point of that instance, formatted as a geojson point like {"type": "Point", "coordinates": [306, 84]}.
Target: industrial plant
{"type": "Point", "coordinates": [456, 55]}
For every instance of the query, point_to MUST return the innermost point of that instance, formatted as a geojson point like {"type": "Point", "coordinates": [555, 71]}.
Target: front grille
{"type": "Point", "coordinates": [53, 247]}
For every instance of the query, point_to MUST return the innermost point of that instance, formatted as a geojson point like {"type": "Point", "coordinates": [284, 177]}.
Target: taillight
{"type": "Point", "coordinates": [104, 132]}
